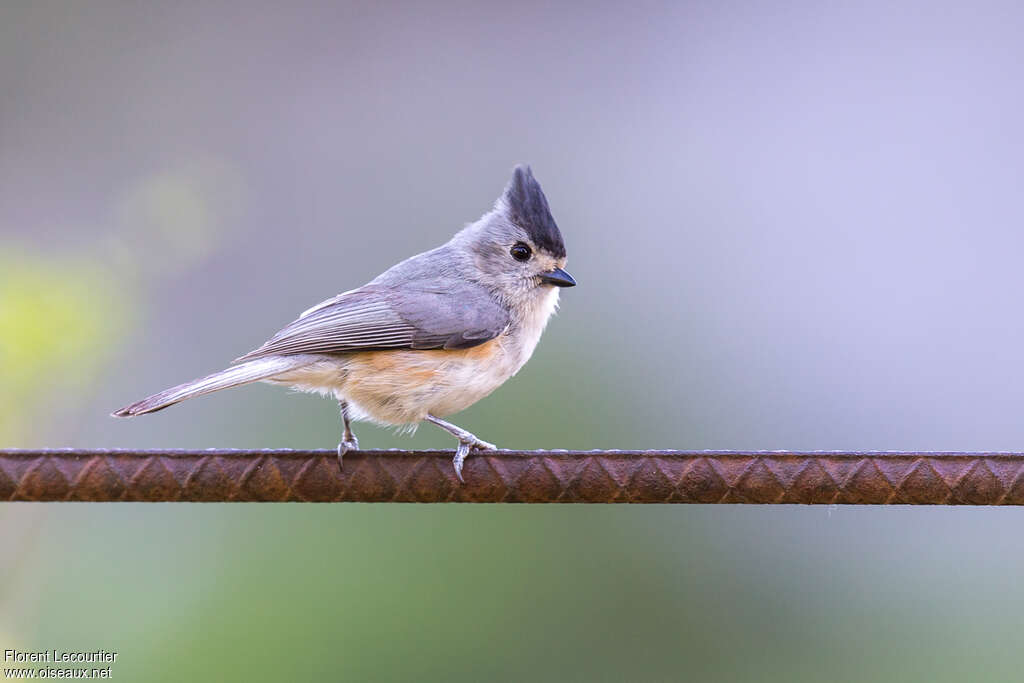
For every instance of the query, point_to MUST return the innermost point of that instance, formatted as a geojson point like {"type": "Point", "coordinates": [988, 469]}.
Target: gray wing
{"type": "Point", "coordinates": [423, 315]}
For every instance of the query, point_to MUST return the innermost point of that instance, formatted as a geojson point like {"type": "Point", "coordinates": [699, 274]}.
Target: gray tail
{"type": "Point", "coordinates": [253, 371]}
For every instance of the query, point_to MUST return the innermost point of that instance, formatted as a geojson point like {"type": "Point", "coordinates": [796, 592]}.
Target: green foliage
{"type": "Point", "coordinates": [58, 316]}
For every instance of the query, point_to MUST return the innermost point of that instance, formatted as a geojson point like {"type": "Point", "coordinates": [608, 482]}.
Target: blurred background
{"type": "Point", "coordinates": [794, 225]}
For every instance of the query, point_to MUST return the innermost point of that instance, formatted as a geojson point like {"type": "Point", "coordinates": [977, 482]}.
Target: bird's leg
{"type": "Point", "coordinates": [466, 442]}
{"type": "Point", "coordinates": [349, 442]}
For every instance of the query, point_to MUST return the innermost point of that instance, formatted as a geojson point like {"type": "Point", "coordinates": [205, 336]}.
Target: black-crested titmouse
{"type": "Point", "coordinates": [426, 338]}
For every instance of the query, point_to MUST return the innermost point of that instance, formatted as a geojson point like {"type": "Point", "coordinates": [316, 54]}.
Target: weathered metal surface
{"type": "Point", "coordinates": [822, 478]}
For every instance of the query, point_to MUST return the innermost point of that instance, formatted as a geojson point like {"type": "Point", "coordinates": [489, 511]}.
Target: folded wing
{"type": "Point", "coordinates": [377, 317]}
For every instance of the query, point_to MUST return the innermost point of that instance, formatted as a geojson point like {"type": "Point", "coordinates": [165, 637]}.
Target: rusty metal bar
{"type": "Point", "coordinates": [820, 478]}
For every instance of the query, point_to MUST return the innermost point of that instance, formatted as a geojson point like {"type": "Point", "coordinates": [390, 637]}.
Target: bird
{"type": "Point", "coordinates": [425, 339]}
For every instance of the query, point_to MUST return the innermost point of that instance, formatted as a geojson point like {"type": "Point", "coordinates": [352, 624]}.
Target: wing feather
{"type": "Point", "coordinates": [375, 317]}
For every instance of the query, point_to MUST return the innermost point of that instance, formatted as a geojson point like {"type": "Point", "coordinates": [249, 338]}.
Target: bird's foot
{"type": "Point", "coordinates": [465, 446]}
{"type": "Point", "coordinates": [349, 444]}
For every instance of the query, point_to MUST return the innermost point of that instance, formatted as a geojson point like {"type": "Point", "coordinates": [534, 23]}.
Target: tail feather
{"type": "Point", "coordinates": [237, 375]}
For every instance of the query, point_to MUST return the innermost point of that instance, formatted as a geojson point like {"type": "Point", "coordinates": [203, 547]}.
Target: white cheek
{"type": "Point", "coordinates": [551, 302]}
{"type": "Point", "coordinates": [537, 311]}
{"type": "Point", "coordinates": [545, 305]}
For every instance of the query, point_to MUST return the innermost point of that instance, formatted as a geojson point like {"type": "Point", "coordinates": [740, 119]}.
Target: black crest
{"type": "Point", "coordinates": [528, 208]}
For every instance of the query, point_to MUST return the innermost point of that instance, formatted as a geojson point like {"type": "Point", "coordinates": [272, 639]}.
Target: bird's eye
{"type": "Point", "coordinates": [520, 252]}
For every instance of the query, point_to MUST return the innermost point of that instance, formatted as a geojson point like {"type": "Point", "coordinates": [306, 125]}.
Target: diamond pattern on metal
{"type": "Point", "coordinates": [821, 478]}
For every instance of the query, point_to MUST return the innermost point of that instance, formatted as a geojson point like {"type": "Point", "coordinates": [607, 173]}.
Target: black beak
{"type": "Point", "coordinates": [558, 278]}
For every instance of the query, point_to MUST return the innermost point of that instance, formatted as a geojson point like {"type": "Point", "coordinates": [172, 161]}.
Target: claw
{"type": "Point", "coordinates": [463, 450]}
{"type": "Point", "coordinates": [344, 447]}
{"type": "Point", "coordinates": [460, 457]}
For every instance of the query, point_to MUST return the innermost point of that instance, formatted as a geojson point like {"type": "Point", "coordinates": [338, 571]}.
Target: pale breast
{"type": "Point", "coordinates": [401, 386]}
